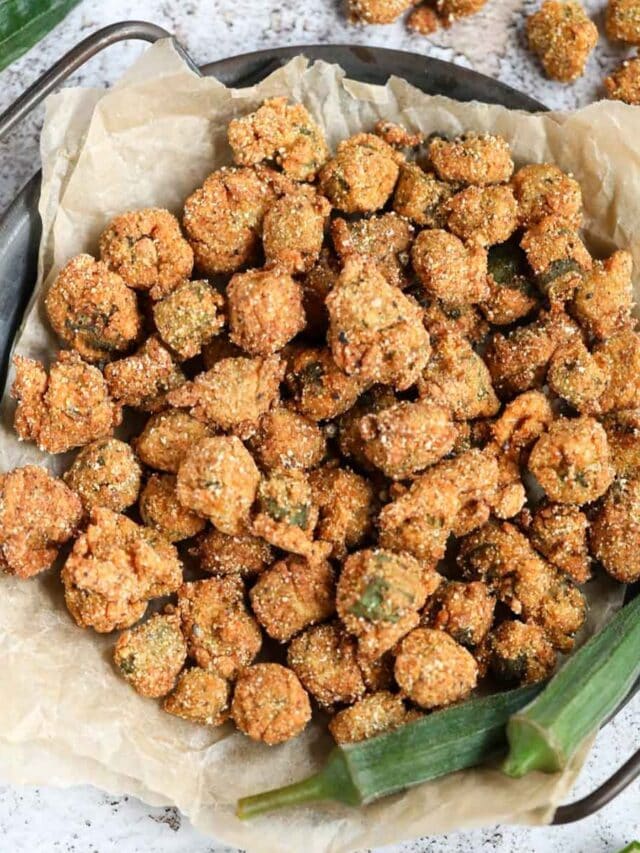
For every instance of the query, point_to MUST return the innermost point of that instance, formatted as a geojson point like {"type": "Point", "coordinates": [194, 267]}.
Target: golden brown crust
{"type": "Point", "coordinates": [562, 36]}
{"type": "Point", "coordinates": [269, 704]}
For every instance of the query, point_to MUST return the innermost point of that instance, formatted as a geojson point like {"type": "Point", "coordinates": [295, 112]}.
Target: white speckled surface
{"type": "Point", "coordinates": [84, 820]}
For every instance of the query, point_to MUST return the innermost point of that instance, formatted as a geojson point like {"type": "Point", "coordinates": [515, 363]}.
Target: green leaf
{"type": "Point", "coordinates": [631, 848]}
{"type": "Point", "coordinates": [24, 22]}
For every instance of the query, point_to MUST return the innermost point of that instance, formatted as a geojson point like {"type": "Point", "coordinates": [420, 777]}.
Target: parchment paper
{"type": "Point", "coordinates": [65, 718]}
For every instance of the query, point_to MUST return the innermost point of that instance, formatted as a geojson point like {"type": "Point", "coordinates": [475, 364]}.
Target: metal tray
{"type": "Point", "coordinates": [20, 225]}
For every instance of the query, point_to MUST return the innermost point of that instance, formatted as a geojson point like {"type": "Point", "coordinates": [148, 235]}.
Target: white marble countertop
{"type": "Point", "coordinates": [83, 819]}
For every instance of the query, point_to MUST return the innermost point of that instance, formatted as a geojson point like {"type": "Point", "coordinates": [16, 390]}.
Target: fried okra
{"type": "Point", "coordinates": [38, 514]}
{"type": "Point", "coordinates": [623, 84]}
{"type": "Point", "coordinates": [350, 440]}
{"type": "Point", "coordinates": [233, 394]}
{"type": "Point", "coordinates": [377, 11]}
{"type": "Point", "coordinates": [575, 376]}
{"type": "Point", "coordinates": [316, 285]}
{"type": "Point", "coordinates": [324, 659]}
{"type": "Point", "coordinates": [521, 423]}
{"type": "Point", "coordinates": [622, 20]}
{"type": "Point", "coordinates": [243, 554]}
{"type": "Point", "coordinates": [614, 535]}
{"type": "Point", "coordinates": [370, 716]}
{"type": "Point", "coordinates": [511, 294]}
{"type": "Point", "coordinates": [105, 473]}
{"type": "Point", "coordinates": [619, 358]}
{"type": "Point", "coordinates": [166, 438]}
{"type": "Point", "coordinates": [199, 696]}
{"type": "Point", "coordinates": [424, 20]}
{"type": "Point", "coordinates": [448, 269]}
{"type": "Point", "coordinates": [420, 196]}
{"type": "Point", "coordinates": [292, 595]}
{"type": "Point", "coordinates": [557, 256]}
{"type": "Point", "coordinates": [218, 480]}
{"type": "Point", "coordinates": [483, 215]}
{"type": "Point", "coordinates": [433, 670]}
{"type": "Point", "coordinates": [397, 135]}
{"type": "Point", "coordinates": [321, 390]}
{"type": "Point", "coordinates": [293, 231]}
{"type": "Point", "coordinates": [571, 461]}
{"type": "Point", "coordinates": [541, 190]}
{"type": "Point", "coordinates": [269, 704]}
{"type": "Point", "coordinates": [151, 655]}
{"type": "Point", "coordinates": [189, 317]}
{"type": "Point", "coordinates": [384, 239]}
{"type": "Point", "coordinates": [221, 635]}
{"type": "Point", "coordinates": [559, 532]}
{"type": "Point", "coordinates": [362, 175]}
{"type": "Point", "coordinates": [450, 10]}
{"type": "Point", "coordinates": [480, 159]}
{"type": "Point", "coordinates": [623, 435]}
{"type": "Point", "coordinates": [603, 299]}
{"type": "Point", "coordinates": [520, 652]}
{"type": "Point", "coordinates": [375, 331]}
{"type": "Point", "coordinates": [92, 310]}
{"type": "Point", "coordinates": [147, 249]}
{"type": "Point", "coordinates": [465, 320]}
{"type": "Point", "coordinates": [144, 379]}
{"type": "Point", "coordinates": [161, 510]}
{"type": "Point", "coordinates": [287, 439]}
{"type": "Point", "coordinates": [464, 610]}
{"type": "Point", "coordinates": [562, 37]}
{"type": "Point", "coordinates": [511, 494]}
{"type": "Point", "coordinates": [265, 310]}
{"type": "Point", "coordinates": [346, 504]}
{"type": "Point", "coordinates": [281, 132]}
{"type": "Point", "coordinates": [407, 437]}
{"type": "Point", "coordinates": [66, 408]}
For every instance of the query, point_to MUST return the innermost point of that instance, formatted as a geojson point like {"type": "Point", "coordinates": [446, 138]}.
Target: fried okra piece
{"type": "Point", "coordinates": [557, 256]}
{"type": "Point", "coordinates": [362, 175]}
{"type": "Point", "coordinates": [384, 239]}
{"type": "Point", "coordinates": [407, 437]}
{"type": "Point", "coordinates": [370, 716]}
{"type": "Point", "coordinates": [575, 376]}
{"type": "Point", "coordinates": [562, 37]}
{"type": "Point", "coordinates": [166, 438]}
{"type": "Point", "coordinates": [541, 190]}
{"type": "Point", "coordinates": [619, 358]}
{"type": "Point", "coordinates": [282, 132]}
{"type": "Point", "coordinates": [559, 533]}
{"type": "Point", "coordinates": [92, 310]}
{"type": "Point", "coordinates": [243, 554]}
{"type": "Point", "coordinates": [493, 552]}
{"type": "Point", "coordinates": [397, 135]}
{"type": "Point", "coordinates": [521, 423]}
{"type": "Point", "coordinates": [511, 293]}
{"type": "Point", "coordinates": [147, 249]}
{"type": "Point", "coordinates": [483, 215]}
{"type": "Point", "coordinates": [623, 84]}
{"type": "Point", "coordinates": [377, 11]}
{"type": "Point", "coordinates": [456, 377]}
{"type": "Point", "coordinates": [375, 331]}
{"type": "Point", "coordinates": [316, 285]}
{"type": "Point", "coordinates": [614, 535]}
{"type": "Point", "coordinates": [265, 310]}
{"type": "Point", "coordinates": [603, 299]}
{"type": "Point", "coordinates": [38, 514]}
{"type": "Point", "coordinates": [287, 439]}
{"type": "Point", "coordinates": [324, 659]}
{"type": "Point", "coordinates": [520, 652]}
{"type": "Point", "coordinates": [144, 379]}
{"type": "Point", "coordinates": [464, 610]}
{"type": "Point", "coordinates": [378, 597]}
{"type": "Point", "coordinates": [622, 20]}
{"type": "Point", "coordinates": [269, 704]}
{"type": "Point", "coordinates": [292, 595]}
{"type": "Point", "coordinates": [218, 480]}
{"type": "Point", "coordinates": [433, 670]}
{"type": "Point", "coordinates": [475, 474]}
{"type": "Point", "coordinates": [448, 269]}
{"type": "Point", "coordinates": [293, 231]}
{"type": "Point", "coordinates": [161, 510]}
{"type": "Point", "coordinates": [423, 20]}
{"type": "Point", "coordinates": [346, 503]}
{"type": "Point", "coordinates": [480, 159]}
{"type": "Point", "coordinates": [223, 219]}
{"type": "Point", "coordinates": [420, 196]}
{"type": "Point", "coordinates": [105, 473]}
{"type": "Point", "coordinates": [66, 408]}
{"type": "Point", "coordinates": [571, 461]}
{"type": "Point", "coordinates": [450, 10]}
{"type": "Point", "coordinates": [151, 655]}
{"type": "Point", "coordinates": [221, 634]}
{"type": "Point", "coordinates": [623, 435]}
{"type": "Point", "coordinates": [189, 317]}
{"type": "Point", "coordinates": [350, 440]}
{"type": "Point", "coordinates": [199, 696]}
{"type": "Point", "coordinates": [511, 494]}
{"type": "Point", "coordinates": [233, 394]}
{"type": "Point", "coordinates": [321, 390]}
{"type": "Point", "coordinates": [465, 320]}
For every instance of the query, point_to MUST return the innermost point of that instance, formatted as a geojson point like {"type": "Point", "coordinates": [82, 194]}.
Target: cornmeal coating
{"type": "Point", "coordinates": [619, 358]}
{"type": "Point", "coordinates": [511, 494]}
{"type": "Point", "coordinates": [316, 285]}
{"type": "Point", "coordinates": [433, 670]}
{"type": "Point", "coordinates": [244, 554]}
{"type": "Point", "coordinates": [541, 190]}
{"type": "Point", "coordinates": [105, 473]}
{"type": "Point", "coordinates": [293, 231]}
{"type": "Point", "coordinates": [603, 299]}
{"type": "Point", "coordinates": [265, 310]}
{"type": "Point", "coordinates": [269, 704]}
{"type": "Point", "coordinates": [622, 20]}
{"type": "Point", "coordinates": [572, 462]}
{"type": "Point", "coordinates": [324, 659]}
{"type": "Point", "coordinates": [559, 533]}
{"type": "Point", "coordinates": [450, 10]}
{"type": "Point", "coordinates": [66, 408]}
{"type": "Point", "coordinates": [494, 552]}
{"type": "Point", "coordinates": [218, 349]}
{"type": "Point", "coordinates": [147, 249]}
{"type": "Point", "coordinates": [151, 655]}
{"type": "Point", "coordinates": [407, 437]}
{"type": "Point", "coordinates": [161, 510]}
{"type": "Point", "coordinates": [423, 20]}
{"type": "Point", "coordinates": [521, 423]}
{"type": "Point", "coordinates": [221, 635]}
{"type": "Point", "coordinates": [287, 439]}
{"type": "Point", "coordinates": [321, 390]}
{"type": "Point", "coordinates": [623, 84]}
{"type": "Point", "coordinates": [464, 610]}
{"type": "Point", "coordinates": [199, 696]}
{"type": "Point", "coordinates": [623, 435]}
{"type": "Point", "coordinates": [557, 256]}
{"type": "Point", "coordinates": [189, 317]}
{"type": "Point", "coordinates": [575, 376]}
{"type": "Point", "coordinates": [370, 716]}
{"type": "Point", "coordinates": [292, 595]}
{"type": "Point", "coordinates": [233, 394]}
{"type": "Point", "coordinates": [347, 506]}
{"type": "Point", "coordinates": [375, 331]}
{"type": "Point", "coordinates": [166, 438]}
{"type": "Point", "coordinates": [384, 239]}
{"type": "Point", "coordinates": [38, 514]}
{"type": "Point", "coordinates": [377, 674]}
{"type": "Point", "coordinates": [449, 269]}
{"type": "Point", "coordinates": [465, 320]}
{"type": "Point", "coordinates": [282, 132]}
{"type": "Point", "coordinates": [144, 379]}
{"type": "Point", "coordinates": [614, 535]}
{"type": "Point", "coordinates": [350, 440]}
{"type": "Point", "coordinates": [362, 175]}
{"type": "Point", "coordinates": [562, 36]}
{"type": "Point", "coordinates": [483, 215]}
{"type": "Point", "coordinates": [520, 652]}
{"type": "Point", "coordinates": [92, 310]}
{"type": "Point", "coordinates": [420, 196]}
{"type": "Point", "coordinates": [397, 135]}
{"type": "Point", "coordinates": [377, 11]}
{"type": "Point", "coordinates": [511, 293]}
{"type": "Point", "coordinates": [472, 159]}
{"type": "Point", "coordinates": [218, 480]}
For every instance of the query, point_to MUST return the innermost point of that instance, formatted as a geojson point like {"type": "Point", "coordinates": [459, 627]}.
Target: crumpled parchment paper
{"type": "Point", "coordinates": [65, 718]}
